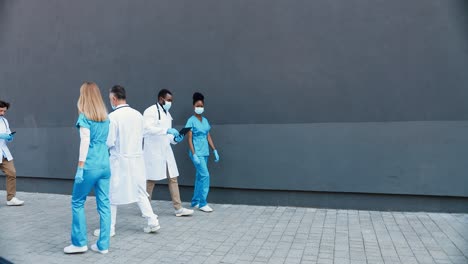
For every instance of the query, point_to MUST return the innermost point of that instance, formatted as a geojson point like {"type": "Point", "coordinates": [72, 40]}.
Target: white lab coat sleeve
{"type": "Point", "coordinates": [112, 137]}
{"type": "Point", "coordinates": [8, 126]}
{"type": "Point", "coordinates": [151, 127]}
{"type": "Point", "coordinates": [84, 143]}
{"type": "Point", "coordinates": [172, 139]}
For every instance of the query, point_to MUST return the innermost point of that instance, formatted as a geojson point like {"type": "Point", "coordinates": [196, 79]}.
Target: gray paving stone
{"type": "Point", "coordinates": [341, 261]}
{"type": "Point", "coordinates": [358, 262]}
{"type": "Point", "coordinates": [292, 261]}
{"type": "Point", "coordinates": [38, 231]}
{"type": "Point", "coordinates": [459, 259]}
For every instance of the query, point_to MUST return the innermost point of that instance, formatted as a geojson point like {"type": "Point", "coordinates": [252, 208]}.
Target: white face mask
{"type": "Point", "coordinates": [199, 110]}
{"type": "Point", "coordinates": [167, 105]}
{"type": "Point", "coordinates": [112, 99]}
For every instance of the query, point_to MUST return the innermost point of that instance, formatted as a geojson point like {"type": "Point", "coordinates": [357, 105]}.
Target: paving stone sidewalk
{"type": "Point", "coordinates": [38, 231]}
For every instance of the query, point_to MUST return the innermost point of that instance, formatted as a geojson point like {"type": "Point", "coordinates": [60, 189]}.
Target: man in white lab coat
{"type": "Point", "coordinates": [128, 179]}
{"type": "Point", "coordinates": [6, 159]}
{"type": "Point", "coordinates": [159, 159]}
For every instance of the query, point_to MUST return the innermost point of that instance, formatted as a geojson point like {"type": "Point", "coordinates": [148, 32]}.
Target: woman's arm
{"type": "Point", "coordinates": [190, 142]}
{"type": "Point", "coordinates": [84, 145]}
{"type": "Point", "coordinates": [210, 141]}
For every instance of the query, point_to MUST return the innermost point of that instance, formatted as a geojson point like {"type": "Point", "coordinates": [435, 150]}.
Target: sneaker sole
{"type": "Point", "coordinates": [151, 230]}
{"type": "Point", "coordinates": [15, 204]}
{"type": "Point", "coordinates": [100, 251]}
{"type": "Point", "coordinates": [179, 215]}
{"type": "Point", "coordinates": [77, 252]}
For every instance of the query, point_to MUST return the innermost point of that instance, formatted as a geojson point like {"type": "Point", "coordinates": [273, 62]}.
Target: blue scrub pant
{"type": "Point", "coordinates": [202, 182]}
{"type": "Point", "coordinates": [99, 179]}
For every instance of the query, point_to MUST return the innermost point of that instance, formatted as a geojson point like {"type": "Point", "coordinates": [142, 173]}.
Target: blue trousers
{"type": "Point", "coordinates": [99, 179]}
{"type": "Point", "coordinates": [202, 182]}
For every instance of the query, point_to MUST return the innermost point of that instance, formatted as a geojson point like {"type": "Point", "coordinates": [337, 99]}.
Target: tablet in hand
{"type": "Point", "coordinates": [185, 130]}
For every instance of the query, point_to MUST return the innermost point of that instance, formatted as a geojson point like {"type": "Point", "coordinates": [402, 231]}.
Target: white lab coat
{"type": "Point", "coordinates": [126, 155]}
{"type": "Point", "coordinates": [4, 151]}
{"type": "Point", "coordinates": [157, 150]}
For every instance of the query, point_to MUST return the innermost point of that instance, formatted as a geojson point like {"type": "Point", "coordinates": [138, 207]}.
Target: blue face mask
{"type": "Point", "coordinates": [113, 107]}
{"type": "Point", "coordinates": [167, 105]}
{"type": "Point", "coordinates": [199, 110]}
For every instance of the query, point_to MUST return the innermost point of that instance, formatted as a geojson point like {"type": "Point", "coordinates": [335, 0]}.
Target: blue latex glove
{"type": "Point", "coordinates": [179, 138]}
{"type": "Point", "coordinates": [11, 137]}
{"type": "Point", "coordinates": [215, 152]}
{"type": "Point", "coordinates": [196, 160]}
{"type": "Point", "coordinates": [4, 136]}
{"type": "Point", "coordinates": [173, 132]}
{"type": "Point", "coordinates": [79, 175]}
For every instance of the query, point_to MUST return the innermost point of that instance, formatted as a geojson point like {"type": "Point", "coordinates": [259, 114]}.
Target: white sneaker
{"type": "Point", "coordinates": [96, 249]}
{"type": "Point", "coordinates": [153, 225]}
{"type": "Point", "coordinates": [151, 228]}
{"type": "Point", "coordinates": [97, 232]}
{"type": "Point", "coordinates": [196, 206]}
{"type": "Point", "coordinates": [71, 249]}
{"type": "Point", "coordinates": [183, 212]}
{"type": "Point", "coordinates": [206, 209]}
{"type": "Point", "coordinates": [15, 202]}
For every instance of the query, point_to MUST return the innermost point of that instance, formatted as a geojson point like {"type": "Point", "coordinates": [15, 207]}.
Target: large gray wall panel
{"type": "Point", "coordinates": [411, 158]}
{"type": "Point", "coordinates": [359, 96]}
{"type": "Point", "coordinates": [325, 61]}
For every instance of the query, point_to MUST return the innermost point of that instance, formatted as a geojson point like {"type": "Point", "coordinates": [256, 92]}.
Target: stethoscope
{"type": "Point", "coordinates": [157, 106]}
{"type": "Point", "coordinates": [159, 112]}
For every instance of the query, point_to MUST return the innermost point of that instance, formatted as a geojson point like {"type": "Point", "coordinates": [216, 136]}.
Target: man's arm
{"type": "Point", "coordinates": [112, 137]}
{"type": "Point", "coordinates": [175, 140]}
{"type": "Point", "coordinates": [151, 126]}
{"type": "Point", "coordinates": [8, 126]}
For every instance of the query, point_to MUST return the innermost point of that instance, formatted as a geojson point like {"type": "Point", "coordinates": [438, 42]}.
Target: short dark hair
{"type": "Point", "coordinates": [163, 93]}
{"type": "Point", "coordinates": [4, 104]}
{"type": "Point", "coordinates": [198, 97]}
{"type": "Point", "coordinates": [119, 92]}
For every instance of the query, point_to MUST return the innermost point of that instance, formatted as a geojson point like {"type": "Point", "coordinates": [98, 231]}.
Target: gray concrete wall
{"type": "Point", "coordinates": [323, 97]}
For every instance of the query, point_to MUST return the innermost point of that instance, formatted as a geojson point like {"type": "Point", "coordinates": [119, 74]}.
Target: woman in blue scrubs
{"type": "Point", "coordinates": [200, 140]}
{"type": "Point", "coordinates": [93, 170]}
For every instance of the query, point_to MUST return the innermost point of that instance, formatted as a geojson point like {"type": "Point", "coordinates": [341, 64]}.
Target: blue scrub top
{"type": "Point", "coordinates": [200, 132]}
{"type": "Point", "coordinates": [98, 154]}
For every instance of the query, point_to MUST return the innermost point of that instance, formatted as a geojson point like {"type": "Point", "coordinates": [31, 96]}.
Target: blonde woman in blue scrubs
{"type": "Point", "coordinates": [93, 171]}
{"type": "Point", "coordinates": [200, 140]}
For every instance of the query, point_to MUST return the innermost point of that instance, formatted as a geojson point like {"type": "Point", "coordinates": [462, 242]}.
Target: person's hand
{"type": "Point", "coordinates": [10, 138]}
{"type": "Point", "coordinates": [4, 136]}
{"type": "Point", "coordinates": [173, 132]}
{"type": "Point", "coordinates": [215, 152]}
{"type": "Point", "coordinates": [79, 175]}
{"type": "Point", "coordinates": [179, 138]}
{"type": "Point", "coordinates": [196, 159]}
